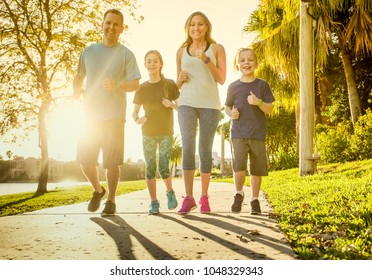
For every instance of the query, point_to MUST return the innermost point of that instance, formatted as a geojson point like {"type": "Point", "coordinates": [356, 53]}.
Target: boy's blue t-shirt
{"type": "Point", "coordinates": [252, 120]}
{"type": "Point", "coordinates": [97, 63]}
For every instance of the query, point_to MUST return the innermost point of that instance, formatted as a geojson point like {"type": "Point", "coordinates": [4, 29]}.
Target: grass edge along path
{"type": "Point", "coordinates": [327, 215]}
{"type": "Point", "coordinates": [14, 204]}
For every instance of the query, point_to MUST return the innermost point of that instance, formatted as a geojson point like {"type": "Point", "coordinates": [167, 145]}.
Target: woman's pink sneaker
{"type": "Point", "coordinates": [188, 204]}
{"type": "Point", "coordinates": [204, 205]}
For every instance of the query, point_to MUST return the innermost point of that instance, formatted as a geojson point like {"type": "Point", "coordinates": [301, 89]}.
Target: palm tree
{"type": "Point", "coordinates": [9, 154]}
{"type": "Point", "coordinates": [176, 152]}
{"type": "Point", "coordinates": [223, 130]}
{"type": "Point", "coordinates": [350, 23]}
{"type": "Point", "coordinates": [276, 23]}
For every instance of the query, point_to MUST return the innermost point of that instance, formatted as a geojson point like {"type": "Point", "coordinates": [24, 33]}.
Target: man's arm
{"type": "Point", "coordinates": [129, 86]}
{"type": "Point", "coordinates": [76, 86]}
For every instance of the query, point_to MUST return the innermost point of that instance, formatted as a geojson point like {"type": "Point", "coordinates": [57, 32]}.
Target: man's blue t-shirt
{"type": "Point", "coordinates": [97, 63]}
{"type": "Point", "coordinates": [252, 120]}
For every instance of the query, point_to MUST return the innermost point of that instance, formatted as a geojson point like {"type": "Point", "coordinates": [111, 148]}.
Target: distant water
{"type": "Point", "coordinates": [12, 188]}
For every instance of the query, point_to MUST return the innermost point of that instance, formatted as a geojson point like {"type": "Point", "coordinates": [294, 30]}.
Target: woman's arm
{"type": "Point", "coordinates": [219, 70]}
{"type": "Point", "coordinates": [181, 75]}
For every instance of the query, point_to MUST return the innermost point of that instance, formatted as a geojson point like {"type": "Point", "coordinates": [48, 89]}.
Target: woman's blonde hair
{"type": "Point", "coordinates": [208, 34]}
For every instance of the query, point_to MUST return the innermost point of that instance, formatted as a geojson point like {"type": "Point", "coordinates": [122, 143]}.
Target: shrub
{"type": "Point", "coordinates": [283, 160]}
{"type": "Point", "coordinates": [281, 140]}
{"type": "Point", "coordinates": [333, 143]}
{"type": "Point", "coordinates": [361, 140]}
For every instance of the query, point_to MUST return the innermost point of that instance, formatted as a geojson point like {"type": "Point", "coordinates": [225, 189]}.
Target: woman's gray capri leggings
{"type": "Point", "coordinates": [188, 118]}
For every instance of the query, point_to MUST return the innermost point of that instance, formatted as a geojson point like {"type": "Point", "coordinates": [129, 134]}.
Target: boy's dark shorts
{"type": "Point", "coordinates": [256, 149]}
{"type": "Point", "coordinates": [106, 135]}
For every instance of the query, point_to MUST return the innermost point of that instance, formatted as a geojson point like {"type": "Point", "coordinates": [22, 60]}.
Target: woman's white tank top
{"type": "Point", "coordinates": [200, 90]}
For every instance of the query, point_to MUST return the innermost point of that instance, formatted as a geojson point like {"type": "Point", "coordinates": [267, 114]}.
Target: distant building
{"type": "Point", "coordinates": [128, 171]}
{"type": "Point", "coordinates": [217, 160]}
{"type": "Point", "coordinates": [28, 169]}
{"type": "Point", "coordinates": [55, 170]}
{"type": "Point", "coordinates": [17, 168]}
{"type": "Point", "coordinates": [32, 168]}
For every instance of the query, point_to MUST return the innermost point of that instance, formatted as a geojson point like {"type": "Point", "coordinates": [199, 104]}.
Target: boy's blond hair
{"type": "Point", "coordinates": [238, 54]}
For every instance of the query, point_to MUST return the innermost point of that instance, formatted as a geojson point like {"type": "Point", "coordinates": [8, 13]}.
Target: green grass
{"type": "Point", "coordinates": [14, 204]}
{"type": "Point", "coordinates": [327, 215]}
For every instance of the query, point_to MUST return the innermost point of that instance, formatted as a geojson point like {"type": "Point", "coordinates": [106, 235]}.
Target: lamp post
{"type": "Point", "coordinates": [307, 96]}
{"type": "Point", "coordinates": [222, 164]}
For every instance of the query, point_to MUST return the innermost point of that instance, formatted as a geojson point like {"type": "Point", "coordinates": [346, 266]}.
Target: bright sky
{"type": "Point", "coordinates": [163, 30]}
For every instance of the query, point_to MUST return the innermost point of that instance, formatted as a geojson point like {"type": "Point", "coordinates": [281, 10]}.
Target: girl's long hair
{"type": "Point", "coordinates": [157, 53]}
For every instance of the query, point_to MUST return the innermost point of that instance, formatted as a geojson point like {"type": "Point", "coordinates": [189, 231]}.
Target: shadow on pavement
{"type": "Point", "coordinates": [220, 240]}
{"type": "Point", "coordinates": [120, 231]}
{"type": "Point", "coordinates": [251, 235]}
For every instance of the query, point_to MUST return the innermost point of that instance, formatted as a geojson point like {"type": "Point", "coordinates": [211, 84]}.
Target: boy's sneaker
{"type": "Point", "coordinates": [204, 205]}
{"type": "Point", "coordinates": [187, 205]}
{"type": "Point", "coordinates": [154, 207]}
{"type": "Point", "coordinates": [255, 207]}
{"type": "Point", "coordinates": [172, 201]}
{"type": "Point", "coordinates": [236, 207]}
{"type": "Point", "coordinates": [110, 209]}
{"type": "Point", "coordinates": [96, 200]}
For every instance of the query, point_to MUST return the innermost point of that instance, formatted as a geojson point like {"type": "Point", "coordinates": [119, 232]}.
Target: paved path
{"type": "Point", "coordinates": [72, 233]}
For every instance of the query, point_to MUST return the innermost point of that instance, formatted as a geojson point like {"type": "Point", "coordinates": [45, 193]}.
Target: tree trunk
{"type": "Point", "coordinates": [297, 113]}
{"type": "Point", "coordinates": [307, 97]}
{"type": "Point", "coordinates": [354, 100]}
{"type": "Point", "coordinates": [222, 164]}
{"type": "Point", "coordinates": [43, 144]}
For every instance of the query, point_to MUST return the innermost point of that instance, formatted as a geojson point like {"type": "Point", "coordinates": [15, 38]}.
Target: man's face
{"type": "Point", "coordinates": [112, 27]}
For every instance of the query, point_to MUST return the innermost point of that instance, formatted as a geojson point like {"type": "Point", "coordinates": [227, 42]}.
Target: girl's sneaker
{"type": "Point", "coordinates": [154, 207]}
{"type": "Point", "coordinates": [187, 205]}
{"type": "Point", "coordinates": [204, 205]}
{"type": "Point", "coordinates": [172, 201]}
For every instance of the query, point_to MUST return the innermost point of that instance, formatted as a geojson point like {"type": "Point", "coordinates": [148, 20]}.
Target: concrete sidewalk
{"type": "Point", "coordinates": [72, 233]}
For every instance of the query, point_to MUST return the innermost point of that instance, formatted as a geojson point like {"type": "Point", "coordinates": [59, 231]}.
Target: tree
{"type": "Point", "coordinates": [40, 42]}
{"type": "Point", "coordinates": [276, 23]}
{"type": "Point", "coordinates": [223, 129]}
{"type": "Point", "coordinates": [176, 152]}
{"type": "Point", "coordinates": [276, 26]}
{"type": "Point", "coordinates": [349, 23]}
{"type": "Point", "coordinates": [9, 154]}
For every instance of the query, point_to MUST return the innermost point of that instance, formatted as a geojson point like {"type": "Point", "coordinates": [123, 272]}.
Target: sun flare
{"type": "Point", "coordinates": [64, 128]}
